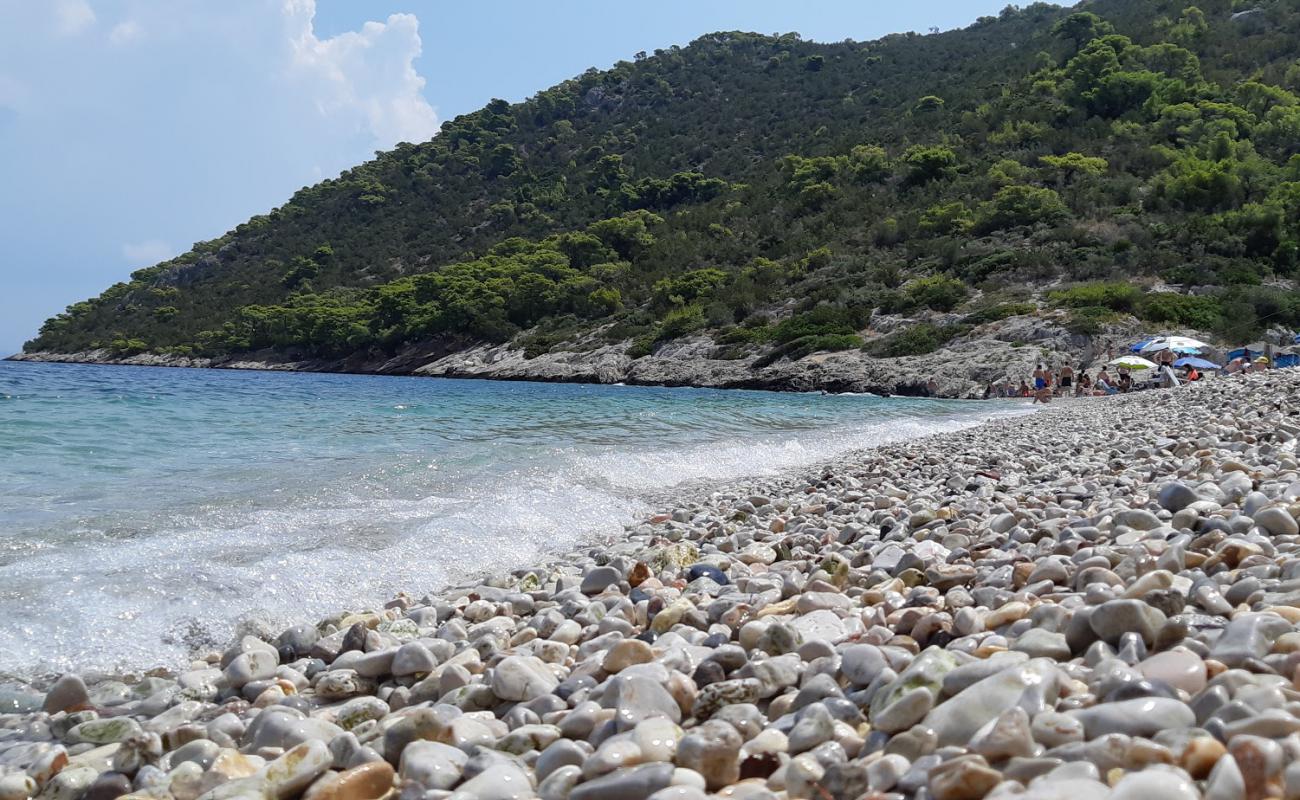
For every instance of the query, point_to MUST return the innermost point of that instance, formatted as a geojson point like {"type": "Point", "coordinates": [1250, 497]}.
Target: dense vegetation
{"type": "Point", "coordinates": [778, 193]}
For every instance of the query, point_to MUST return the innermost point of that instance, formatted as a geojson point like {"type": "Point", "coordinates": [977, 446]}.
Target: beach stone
{"type": "Point", "coordinates": [657, 738]}
{"type": "Point", "coordinates": [713, 750]}
{"type": "Point", "coordinates": [1053, 728]}
{"type": "Point", "coordinates": [1144, 716]}
{"type": "Point", "coordinates": [559, 784]}
{"type": "Point", "coordinates": [1277, 521]}
{"type": "Point", "coordinates": [291, 773]}
{"type": "Point", "coordinates": [504, 781]}
{"type": "Point", "coordinates": [709, 571]}
{"type": "Point", "coordinates": [963, 778]}
{"type": "Point", "coordinates": [68, 693]}
{"type": "Point", "coordinates": [1033, 686]}
{"type": "Point", "coordinates": [1007, 736]}
{"type": "Point", "coordinates": [200, 751]}
{"type": "Point", "coordinates": [1248, 637]}
{"type": "Point", "coordinates": [884, 773]}
{"type": "Point", "coordinates": [17, 786]}
{"type": "Point", "coordinates": [1039, 643]}
{"type": "Point", "coordinates": [818, 625]}
{"type": "Point", "coordinates": [1225, 781]}
{"type": "Point", "coordinates": [861, 663]}
{"type": "Point", "coordinates": [813, 726]}
{"type": "Point", "coordinates": [1181, 669]}
{"type": "Point", "coordinates": [970, 673]}
{"type": "Point", "coordinates": [599, 579]}
{"type": "Point", "coordinates": [359, 710]}
{"type": "Point", "coordinates": [1176, 496]}
{"type": "Point", "coordinates": [634, 698]}
{"type": "Point", "coordinates": [70, 784]}
{"type": "Point", "coordinates": [108, 786]}
{"type": "Point", "coordinates": [634, 783]}
{"type": "Point", "coordinates": [926, 672]}
{"type": "Point", "coordinates": [1154, 785]}
{"type": "Point", "coordinates": [904, 711]}
{"type": "Point", "coordinates": [522, 678]}
{"type": "Point", "coordinates": [432, 765]}
{"type": "Point", "coordinates": [1291, 781]}
{"type": "Point", "coordinates": [1112, 619]}
{"type": "Point", "coordinates": [413, 658]}
{"type": "Point", "coordinates": [251, 665]}
{"type": "Point", "coordinates": [625, 654]}
{"type": "Point", "coordinates": [104, 731]}
{"type": "Point", "coordinates": [365, 782]}
{"type": "Point", "coordinates": [560, 753]}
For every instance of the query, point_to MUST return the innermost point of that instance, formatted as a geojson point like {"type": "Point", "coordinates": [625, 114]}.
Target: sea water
{"type": "Point", "coordinates": [146, 513]}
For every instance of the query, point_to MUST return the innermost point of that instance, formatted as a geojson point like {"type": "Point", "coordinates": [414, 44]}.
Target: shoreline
{"type": "Point", "coordinates": [960, 371]}
{"type": "Point", "coordinates": [981, 608]}
{"type": "Point", "coordinates": [695, 491]}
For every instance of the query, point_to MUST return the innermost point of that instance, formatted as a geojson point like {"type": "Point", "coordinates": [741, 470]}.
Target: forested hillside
{"type": "Point", "coordinates": [1122, 157]}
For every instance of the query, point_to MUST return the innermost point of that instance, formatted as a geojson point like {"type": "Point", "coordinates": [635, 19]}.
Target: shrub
{"type": "Point", "coordinates": [805, 345]}
{"type": "Point", "coordinates": [1089, 320]}
{"type": "Point", "coordinates": [823, 320]}
{"type": "Point", "coordinates": [1014, 206]}
{"type": "Point", "coordinates": [1115, 296]}
{"type": "Point", "coordinates": [680, 322]}
{"type": "Point", "coordinates": [998, 312]}
{"type": "Point", "coordinates": [916, 340]}
{"type": "Point", "coordinates": [938, 292]}
{"type": "Point", "coordinates": [122, 346]}
{"type": "Point", "coordinates": [1204, 313]}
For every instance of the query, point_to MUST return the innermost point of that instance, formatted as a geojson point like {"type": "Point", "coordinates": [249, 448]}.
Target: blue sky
{"type": "Point", "coordinates": [130, 129]}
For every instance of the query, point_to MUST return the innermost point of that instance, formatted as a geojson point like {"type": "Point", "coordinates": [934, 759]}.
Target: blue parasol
{"type": "Point", "coordinates": [1199, 363]}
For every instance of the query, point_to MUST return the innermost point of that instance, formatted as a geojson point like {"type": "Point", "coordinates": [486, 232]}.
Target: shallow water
{"type": "Point", "coordinates": [145, 511]}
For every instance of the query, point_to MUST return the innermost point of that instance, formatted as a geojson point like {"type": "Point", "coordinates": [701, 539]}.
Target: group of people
{"type": "Point", "coordinates": [1049, 382]}
{"type": "Point", "coordinates": [1062, 382]}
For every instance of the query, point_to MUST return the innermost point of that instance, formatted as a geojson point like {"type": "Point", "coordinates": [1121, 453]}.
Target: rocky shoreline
{"type": "Point", "coordinates": [1007, 349]}
{"type": "Point", "coordinates": [1097, 601]}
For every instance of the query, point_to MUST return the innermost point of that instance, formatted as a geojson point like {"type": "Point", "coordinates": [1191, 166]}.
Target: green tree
{"type": "Point", "coordinates": [927, 163]}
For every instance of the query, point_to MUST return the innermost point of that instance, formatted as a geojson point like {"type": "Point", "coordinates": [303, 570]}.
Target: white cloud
{"type": "Point", "coordinates": [146, 253]}
{"type": "Point", "coordinates": [125, 32]}
{"type": "Point", "coordinates": [365, 78]}
{"type": "Point", "coordinates": [73, 16]}
{"type": "Point", "coordinates": [214, 112]}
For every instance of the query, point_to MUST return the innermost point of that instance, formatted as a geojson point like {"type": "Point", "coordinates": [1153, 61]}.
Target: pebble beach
{"type": "Point", "coordinates": [1098, 600]}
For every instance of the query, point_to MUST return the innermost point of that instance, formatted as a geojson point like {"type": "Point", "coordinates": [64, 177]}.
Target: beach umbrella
{"type": "Point", "coordinates": [1137, 348]}
{"type": "Point", "coordinates": [1199, 363]}
{"type": "Point", "coordinates": [1131, 362]}
{"type": "Point", "coordinates": [1181, 344]}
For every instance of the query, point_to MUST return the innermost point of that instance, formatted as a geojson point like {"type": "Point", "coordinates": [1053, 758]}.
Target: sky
{"type": "Point", "coordinates": [130, 129]}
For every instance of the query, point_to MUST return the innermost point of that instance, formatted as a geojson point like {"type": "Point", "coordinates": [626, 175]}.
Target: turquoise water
{"type": "Point", "coordinates": [144, 512]}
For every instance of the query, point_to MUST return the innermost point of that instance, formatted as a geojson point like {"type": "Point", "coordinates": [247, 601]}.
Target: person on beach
{"type": "Point", "coordinates": [1085, 384]}
{"type": "Point", "coordinates": [932, 388]}
{"type": "Point", "coordinates": [1040, 378]}
{"type": "Point", "coordinates": [1125, 382]}
{"type": "Point", "coordinates": [1043, 395]}
{"type": "Point", "coordinates": [1067, 379]}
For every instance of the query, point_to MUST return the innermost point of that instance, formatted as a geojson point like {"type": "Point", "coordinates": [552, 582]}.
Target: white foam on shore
{"type": "Point", "coordinates": [116, 596]}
